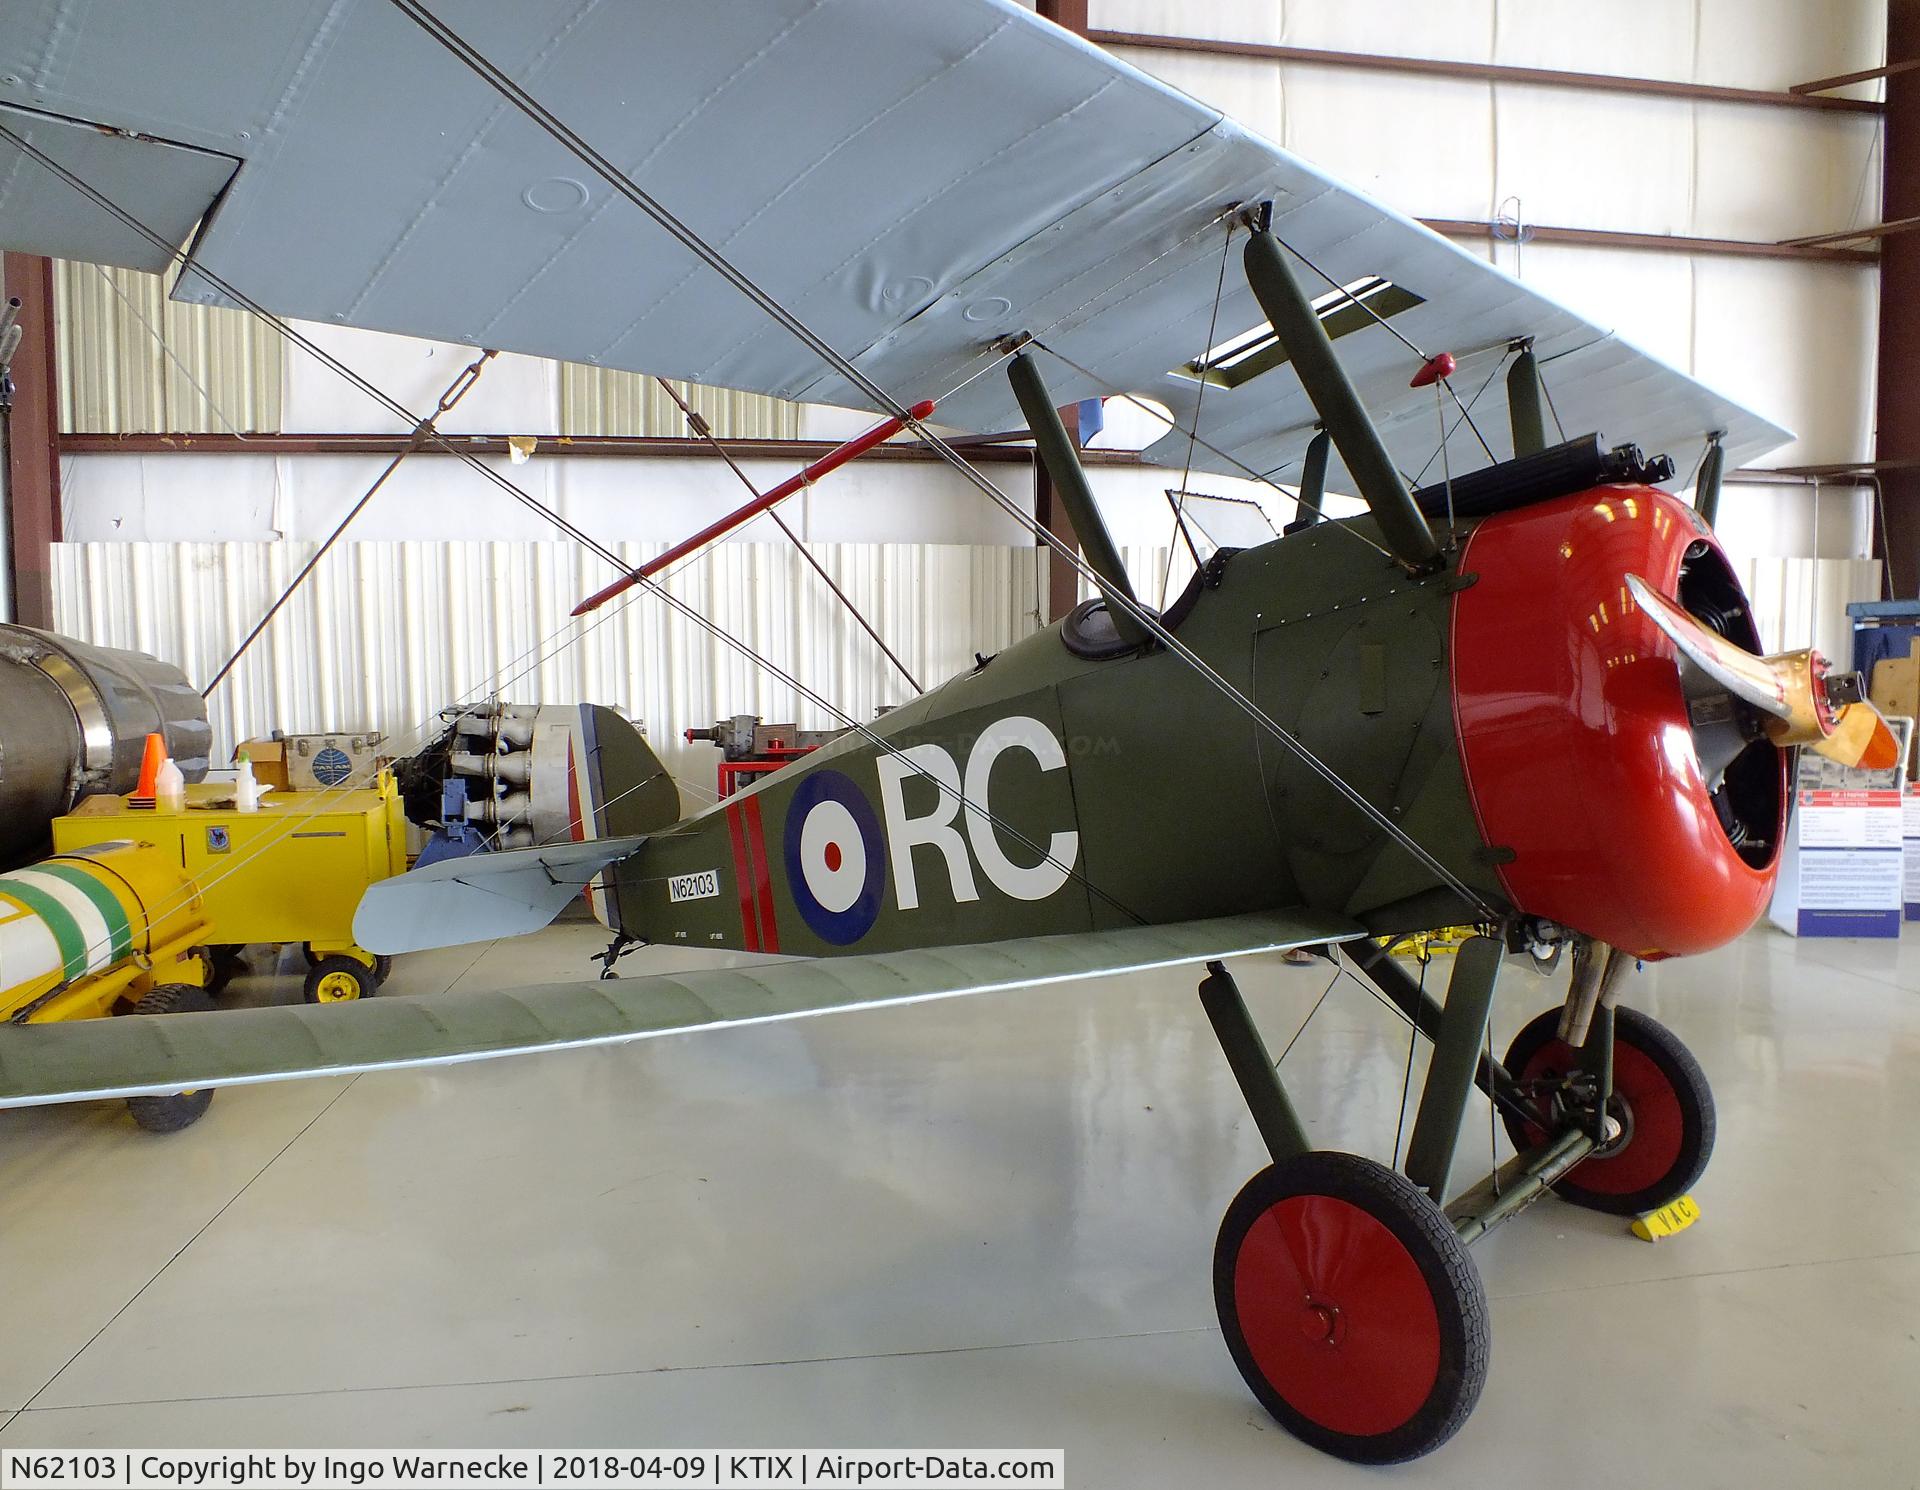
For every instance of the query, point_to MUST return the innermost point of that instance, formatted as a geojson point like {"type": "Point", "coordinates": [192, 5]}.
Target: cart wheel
{"type": "Point", "coordinates": [182, 1109]}
{"type": "Point", "coordinates": [1351, 1307]}
{"type": "Point", "coordinates": [225, 962]}
{"type": "Point", "coordinates": [382, 968]}
{"type": "Point", "coordinates": [1660, 1098]}
{"type": "Point", "coordinates": [335, 980]}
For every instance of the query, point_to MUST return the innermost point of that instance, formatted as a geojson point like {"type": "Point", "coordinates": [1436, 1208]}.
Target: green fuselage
{"type": "Point", "coordinates": [1120, 791]}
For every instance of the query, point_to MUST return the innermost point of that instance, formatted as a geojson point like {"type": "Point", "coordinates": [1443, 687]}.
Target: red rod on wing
{"type": "Point", "coordinates": [831, 461]}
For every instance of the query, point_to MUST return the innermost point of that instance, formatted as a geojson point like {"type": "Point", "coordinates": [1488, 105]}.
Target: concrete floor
{"type": "Point", "coordinates": [980, 1223]}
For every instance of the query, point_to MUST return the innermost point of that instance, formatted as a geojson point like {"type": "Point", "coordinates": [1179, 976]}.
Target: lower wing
{"type": "Point", "coordinates": [131, 1057]}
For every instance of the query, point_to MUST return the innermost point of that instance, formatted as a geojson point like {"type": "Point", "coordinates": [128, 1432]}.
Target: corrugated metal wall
{"type": "Point", "coordinates": [133, 360]}
{"type": "Point", "coordinates": [600, 401]}
{"type": "Point", "coordinates": [387, 634]}
{"type": "Point", "coordinates": [384, 635]}
{"type": "Point", "coordinates": [1803, 602]}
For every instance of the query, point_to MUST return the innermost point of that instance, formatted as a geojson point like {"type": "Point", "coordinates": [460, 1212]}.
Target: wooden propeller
{"type": "Point", "coordinates": [1788, 687]}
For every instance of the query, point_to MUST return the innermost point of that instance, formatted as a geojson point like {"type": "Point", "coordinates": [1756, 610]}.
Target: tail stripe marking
{"type": "Point", "coordinates": [743, 884]}
{"type": "Point", "coordinates": [763, 879]}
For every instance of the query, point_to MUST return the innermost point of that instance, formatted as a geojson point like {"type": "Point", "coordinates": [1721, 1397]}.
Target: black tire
{"type": "Point", "coordinates": [313, 957]}
{"type": "Point", "coordinates": [382, 968]}
{"type": "Point", "coordinates": [1661, 1098]}
{"type": "Point", "coordinates": [338, 980]}
{"type": "Point", "coordinates": [169, 1114]}
{"type": "Point", "coordinates": [225, 962]}
{"type": "Point", "coordinates": [1404, 1338]}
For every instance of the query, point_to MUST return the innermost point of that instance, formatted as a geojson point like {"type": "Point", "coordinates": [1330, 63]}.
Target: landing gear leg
{"type": "Point", "coordinates": [1456, 1060]}
{"type": "Point", "coordinates": [1253, 1068]}
{"type": "Point", "coordinates": [616, 949]}
{"type": "Point", "coordinates": [1348, 1301]}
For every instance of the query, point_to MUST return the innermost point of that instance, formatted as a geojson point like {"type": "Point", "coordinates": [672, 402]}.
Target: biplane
{"type": "Point", "coordinates": [1521, 693]}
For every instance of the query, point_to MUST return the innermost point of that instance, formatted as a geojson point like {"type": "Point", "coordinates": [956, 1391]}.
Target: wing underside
{"type": "Point", "coordinates": [130, 1056]}
{"type": "Point", "coordinates": [979, 172]}
{"type": "Point", "coordinates": [481, 897]}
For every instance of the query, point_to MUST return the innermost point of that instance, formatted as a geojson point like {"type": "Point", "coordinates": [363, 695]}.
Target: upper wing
{"type": "Point", "coordinates": [481, 897]}
{"type": "Point", "coordinates": [913, 180]}
{"type": "Point", "coordinates": [131, 1056]}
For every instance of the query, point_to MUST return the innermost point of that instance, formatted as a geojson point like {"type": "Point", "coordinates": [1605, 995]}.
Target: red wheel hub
{"type": "Point", "coordinates": [1337, 1314]}
{"type": "Point", "coordinates": [1657, 1127]}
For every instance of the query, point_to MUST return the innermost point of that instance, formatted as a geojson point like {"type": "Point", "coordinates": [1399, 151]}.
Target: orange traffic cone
{"type": "Point", "coordinates": [151, 760]}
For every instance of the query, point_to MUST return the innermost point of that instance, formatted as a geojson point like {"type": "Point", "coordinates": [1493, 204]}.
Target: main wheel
{"type": "Point", "coordinates": [171, 1113]}
{"type": "Point", "coordinates": [1351, 1307]}
{"type": "Point", "coordinates": [1660, 1099]}
{"type": "Point", "coordinates": [335, 980]}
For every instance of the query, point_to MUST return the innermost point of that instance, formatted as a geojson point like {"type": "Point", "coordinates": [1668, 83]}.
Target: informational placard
{"type": "Point", "coordinates": [1843, 871]}
{"type": "Point", "coordinates": [1910, 836]}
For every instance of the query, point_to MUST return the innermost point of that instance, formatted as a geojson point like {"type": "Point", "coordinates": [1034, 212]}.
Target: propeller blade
{"type": "Point", "coordinates": [1861, 738]}
{"type": "Point", "coordinates": [1734, 668]}
{"type": "Point", "coordinates": [1782, 686]}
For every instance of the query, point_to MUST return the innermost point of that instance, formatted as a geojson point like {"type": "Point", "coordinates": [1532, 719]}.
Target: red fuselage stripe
{"type": "Point", "coordinates": [575, 824]}
{"type": "Point", "coordinates": [762, 876]}
{"type": "Point", "coordinates": [743, 881]}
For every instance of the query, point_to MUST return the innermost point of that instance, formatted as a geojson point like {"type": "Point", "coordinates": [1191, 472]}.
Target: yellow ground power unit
{"type": "Point", "coordinates": [291, 871]}
{"type": "Point", "coordinates": [111, 928]}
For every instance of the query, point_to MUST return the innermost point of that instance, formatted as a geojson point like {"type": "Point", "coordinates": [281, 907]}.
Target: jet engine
{"type": "Point", "coordinates": [74, 719]}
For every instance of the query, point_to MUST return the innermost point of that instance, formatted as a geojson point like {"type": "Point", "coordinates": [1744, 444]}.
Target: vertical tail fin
{"type": "Point", "coordinates": [616, 788]}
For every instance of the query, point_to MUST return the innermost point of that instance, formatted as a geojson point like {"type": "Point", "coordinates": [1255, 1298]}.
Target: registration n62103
{"type": "Point", "coordinates": [702, 884]}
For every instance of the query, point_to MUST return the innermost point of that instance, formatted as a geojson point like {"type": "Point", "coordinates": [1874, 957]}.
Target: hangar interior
{"type": "Point", "coordinates": [990, 1220]}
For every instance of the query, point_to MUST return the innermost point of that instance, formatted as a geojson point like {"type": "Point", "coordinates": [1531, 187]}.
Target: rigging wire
{"type": "Point", "coordinates": [1146, 618]}
{"type": "Point", "coordinates": [167, 351]}
{"type": "Point", "coordinates": [456, 390]}
{"type": "Point", "coordinates": [672, 601]}
{"type": "Point", "coordinates": [1466, 413]}
{"type": "Point", "coordinates": [1381, 320]}
{"type": "Point", "coordinates": [1406, 1085]}
{"type": "Point", "coordinates": [1264, 478]}
{"type": "Point", "coordinates": [1484, 386]}
{"type": "Point", "coordinates": [1199, 402]}
{"type": "Point", "coordinates": [1493, 1135]}
{"type": "Point", "coordinates": [1339, 972]}
{"type": "Point", "coordinates": [1354, 299]}
{"type": "Point", "coordinates": [699, 426]}
{"type": "Point", "coordinates": [1446, 463]}
{"type": "Point", "coordinates": [695, 244]}
{"type": "Point", "coordinates": [1547, 392]}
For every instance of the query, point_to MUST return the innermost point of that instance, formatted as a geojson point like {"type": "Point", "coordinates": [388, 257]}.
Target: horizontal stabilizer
{"type": "Point", "coordinates": [481, 897]}
{"type": "Point", "coordinates": [124, 1057]}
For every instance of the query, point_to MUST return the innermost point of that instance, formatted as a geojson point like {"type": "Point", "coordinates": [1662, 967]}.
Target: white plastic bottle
{"type": "Point", "coordinates": [246, 790]}
{"type": "Point", "coordinates": [170, 787]}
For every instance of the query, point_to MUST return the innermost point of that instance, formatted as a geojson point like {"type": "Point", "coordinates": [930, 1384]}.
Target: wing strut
{"type": "Point", "coordinates": [1338, 403]}
{"type": "Point", "coordinates": [1070, 481]}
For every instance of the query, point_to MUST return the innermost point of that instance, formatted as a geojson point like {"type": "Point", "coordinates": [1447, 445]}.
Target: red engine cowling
{"type": "Point", "coordinates": [1574, 731]}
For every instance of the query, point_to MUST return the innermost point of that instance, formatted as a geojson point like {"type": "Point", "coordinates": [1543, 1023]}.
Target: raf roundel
{"type": "Point", "coordinates": [836, 857]}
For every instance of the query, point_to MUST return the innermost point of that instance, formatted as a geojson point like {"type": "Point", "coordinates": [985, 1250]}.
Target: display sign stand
{"type": "Point", "coordinates": [1843, 868]}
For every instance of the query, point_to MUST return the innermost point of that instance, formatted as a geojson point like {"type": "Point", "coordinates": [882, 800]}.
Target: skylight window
{"type": "Point", "coordinates": [1353, 307]}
